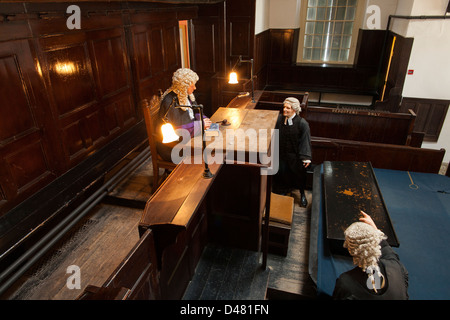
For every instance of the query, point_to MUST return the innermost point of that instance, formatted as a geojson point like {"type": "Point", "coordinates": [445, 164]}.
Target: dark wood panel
{"type": "Point", "coordinates": [205, 37]}
{"type": "Point", "coordinates": [109, 58]}
{"type": "Point", "coordinates": [69, 74]}
{"type": "Point", "coordinates": [282, 45]}
{"type": "Point", "coordinates": [156, 53]}
{"type": "Point", "coordinates": [68, 93]}
{"type": "Point", "coordinates": [240, 31]}
{"type": "Point", "coordinates": [237, 207]}
{"type": "Point", "coordinates": [384, 156]}
{"type": "Point", "coordinates": [430, 113]}
{"type": "Point", "coordinates": [207, 50]}
{"type": "Point", "coordinates": [171, 38]}
{"type": "Point", "coordinates": [138, 271]}
{"type": "Point", "coordinates": [88, 70]}
{"type": "Point", "coordinates": [25, 149]}
{"type": "Point", "coordinates": [361, 77]}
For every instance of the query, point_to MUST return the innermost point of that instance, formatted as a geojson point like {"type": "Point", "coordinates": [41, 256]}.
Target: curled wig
{"type": "Point", "coordinates": [363, 244]}
{"type": "Point", "coordinates": [181, 80]}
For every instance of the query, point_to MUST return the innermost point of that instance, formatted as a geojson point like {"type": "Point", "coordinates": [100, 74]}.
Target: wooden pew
{"type": "Point", "coordinates": [347, 123]}
{"type": "Point", "coordinates": [136, 278]}
{"type": "Point", "coordinates": [188, 211]}
{"type": "Point", "coordinates": [384, 156]}
{"type": "Point", "coordinates": [343, 135]}
{"type": "Point", "coordinates": [361, 125]}
{"type": "Point", "coordinates": [176, 214]}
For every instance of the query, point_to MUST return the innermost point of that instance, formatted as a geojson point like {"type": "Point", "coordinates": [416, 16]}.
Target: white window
{"type": "Point", "coordinates": [329, 31]}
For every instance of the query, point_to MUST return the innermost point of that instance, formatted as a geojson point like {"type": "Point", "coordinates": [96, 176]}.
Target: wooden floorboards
{"type": "Point", "coordinates": [92, 246]}
{"type": "Point", "coordinates": [225, 273]}
{"type": "Point", "coordinates": [289, 278]}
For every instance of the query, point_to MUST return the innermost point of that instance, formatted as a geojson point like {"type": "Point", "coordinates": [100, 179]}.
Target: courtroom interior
{"type": "Point", "coordinates": [90, 210]}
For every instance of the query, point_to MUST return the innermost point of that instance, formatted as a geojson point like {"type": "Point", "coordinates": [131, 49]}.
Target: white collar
{"type": "Point", "coordinates": [290, 119]}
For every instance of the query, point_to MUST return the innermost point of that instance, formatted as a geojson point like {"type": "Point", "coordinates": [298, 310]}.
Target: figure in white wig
{"type": "Point", "coordinates": [294, 150]}
{"type": "Point", "coordinates": [181, 93]}
{"type": "Point", "coordinates": [379, 274]}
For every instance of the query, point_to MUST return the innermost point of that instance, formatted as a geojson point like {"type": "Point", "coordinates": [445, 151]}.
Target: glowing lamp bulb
{"type": "Point", "coordinates": [233, 78]}
{"type": "Point", "coordinates": [168, 133]}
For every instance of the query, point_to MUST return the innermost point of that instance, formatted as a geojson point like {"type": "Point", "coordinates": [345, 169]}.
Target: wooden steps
{"type": "Point", "coordinates": [225, 273]}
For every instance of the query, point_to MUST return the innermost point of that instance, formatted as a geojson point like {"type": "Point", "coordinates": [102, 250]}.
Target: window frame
{"type": "Point", "coordinates": [357, 24]}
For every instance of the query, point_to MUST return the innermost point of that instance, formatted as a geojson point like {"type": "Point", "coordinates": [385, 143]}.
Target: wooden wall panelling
{"type": "Point", "coordinates": [283, 45]}
{"type": "Point", "coordinates": [156, 51]}
{"type": "Point", "coordinates": [358, 78]}
{"type": "Point", "coordinates": [240, 33]}
{"type": "Point", "coordinates": [430, 115]}
{"type": "Point", "coordinates": [368, 40]}
{"type": "Point", "coordinates": [83, 79]}
{"type": "Point", "coordinates": [26, 139]}
{"type": "Point", "coordinates": [74, 91]}
{"type": "Point", "coordinates": [262, 58]}
{"type": "Point", "coordinates": [207, 51]}
{"type": "Point", "coordinates": [238, 40]}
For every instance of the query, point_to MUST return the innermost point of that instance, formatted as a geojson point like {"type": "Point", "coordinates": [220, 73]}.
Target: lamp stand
{"type": "Point", "coordinates": [207, 174]}
{"type": "Point", "coordinates": [251, 74]}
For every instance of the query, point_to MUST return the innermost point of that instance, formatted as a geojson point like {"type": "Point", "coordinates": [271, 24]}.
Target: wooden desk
{"type": "Point", "coordinates": [348, 188]}
{"type": "Point", "coordinates": [247, 139]}
{"type": "Point", "coordinates": [188, 210]}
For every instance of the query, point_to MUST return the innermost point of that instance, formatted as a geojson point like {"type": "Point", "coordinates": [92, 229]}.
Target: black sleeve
{"type": "Point", "coordinates": [305, 141]}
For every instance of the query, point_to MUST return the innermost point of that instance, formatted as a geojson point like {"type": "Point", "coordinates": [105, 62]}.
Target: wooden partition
{"type": "Point", "coordinates": [361, 125]}
{"type": "Point", "coordinates": [346, 123]}
{"type": "Point", "coordinates": [384, 156]}
{"type": "Point", "coordinates": [273, 100]}
{"type": "Point", "coordinates": [136, 278]}
{"type": "Point", "coordinates": [238, 201]}
{"type": "Point", "coordinates": [382, 138]}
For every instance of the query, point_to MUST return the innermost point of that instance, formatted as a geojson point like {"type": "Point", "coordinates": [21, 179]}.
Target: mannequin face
{"type": "Point", "coordinates": [287, 110]}
{"type": "Point", "coordinates": [191, 88]}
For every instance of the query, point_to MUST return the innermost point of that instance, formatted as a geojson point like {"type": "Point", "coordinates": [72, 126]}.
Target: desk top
{"type": "Point", "coordinates": [179, 196]}
{"type": "Point", "coordinates": [348, 188]}
{"type": "Point", "coordinates": [249, 131]}
{"type": "Point", "coordinates": [182, 192]}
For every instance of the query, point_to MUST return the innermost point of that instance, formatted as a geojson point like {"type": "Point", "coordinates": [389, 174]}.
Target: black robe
{"type": "Point", "coordinates": [352, 285]}
{"type": "Point", "coordinates": [294, 147]}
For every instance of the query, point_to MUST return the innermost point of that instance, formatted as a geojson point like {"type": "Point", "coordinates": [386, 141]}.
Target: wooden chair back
{"type": "Point", "coordinates": [150, 110]}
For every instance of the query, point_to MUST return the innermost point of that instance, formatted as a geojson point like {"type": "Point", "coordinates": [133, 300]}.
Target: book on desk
{"type": "Point", "coordinates": [213, 130]}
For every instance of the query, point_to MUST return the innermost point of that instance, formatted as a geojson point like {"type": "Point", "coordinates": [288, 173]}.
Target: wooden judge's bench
{"type": "Point", "coordinates": [187, 210]}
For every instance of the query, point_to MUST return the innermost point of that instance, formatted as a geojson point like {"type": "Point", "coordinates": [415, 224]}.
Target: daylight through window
{"type": "Point", "coordinates": [328, 30]}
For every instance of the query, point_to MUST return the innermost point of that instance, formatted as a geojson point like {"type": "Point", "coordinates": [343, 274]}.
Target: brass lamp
{"type": "Point", "coordinates": [233, 75]}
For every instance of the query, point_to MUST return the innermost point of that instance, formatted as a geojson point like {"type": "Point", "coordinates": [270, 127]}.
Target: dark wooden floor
{"type": "Point", "coordinates": [225, 273]}
{"type": "Point", "coordinates": [109, 224]}
{"type": "Point", "coordinates": [289, 278]}
{"type": "Point", "coordinates": [91, 246]}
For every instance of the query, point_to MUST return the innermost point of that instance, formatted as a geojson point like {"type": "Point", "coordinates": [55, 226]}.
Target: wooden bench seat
{"type": "Point", "coordinates": [280, 221]}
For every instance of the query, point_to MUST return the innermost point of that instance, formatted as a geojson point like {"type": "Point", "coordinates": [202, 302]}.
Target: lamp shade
{"type": "Point", "coordinates": [169, 134]}
{"type": "Point", "coordinates": [233, 78]}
